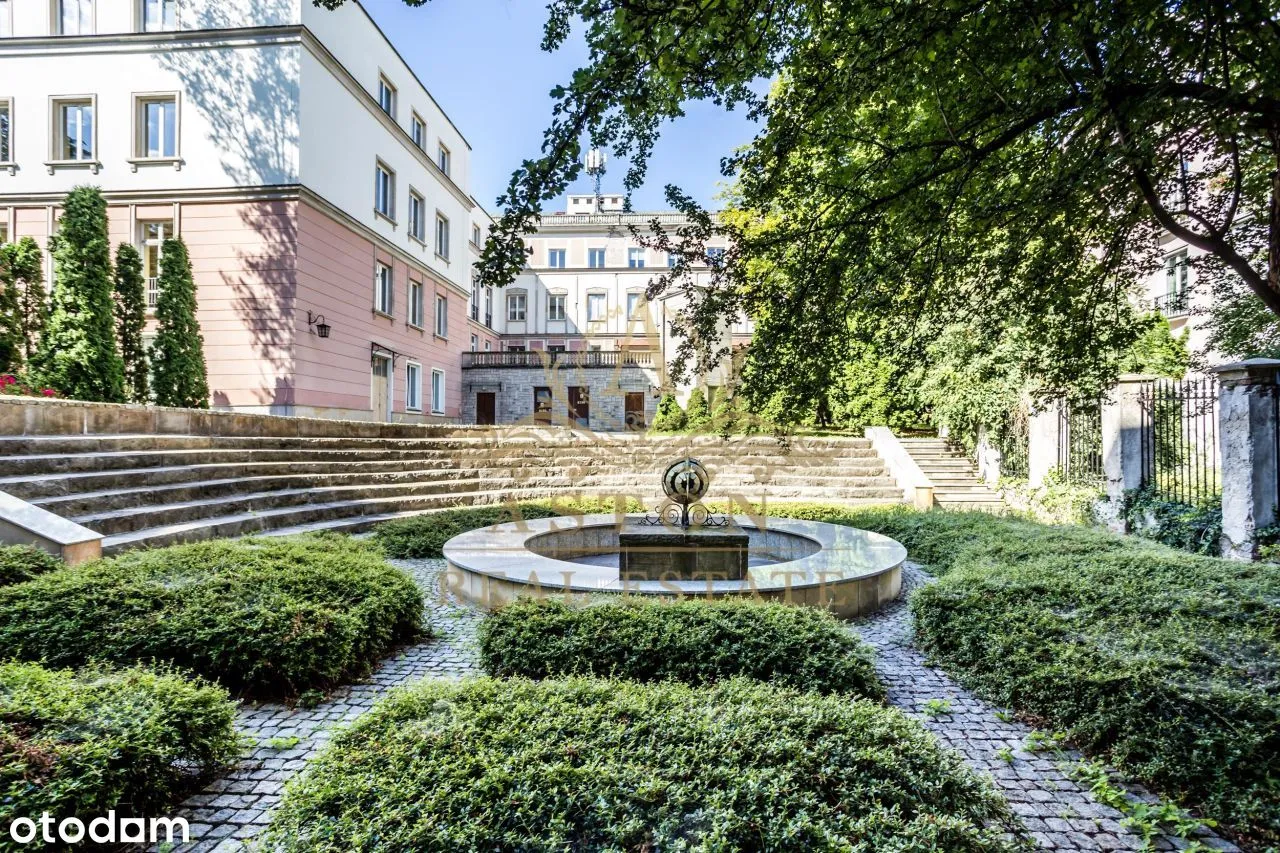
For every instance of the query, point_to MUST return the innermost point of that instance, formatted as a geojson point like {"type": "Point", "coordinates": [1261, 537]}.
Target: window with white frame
{"type": "Point", "coordinates": [475, 235]}
{"type": "Point", "coordinates": [635, 306]}
{"type": "Point", "coordinates": [515, 307]}
{"type": "Point", "coordinates": [595, 258]}
{"type": "Point", "coordinates": [416, 305]}
{"type": "Point", "coordinates": [384, 191]}
{"type": "Point", "coordinates": [672, 257]}
{"type": "Point", "coordinates": [437, 392]}
{"type": "Point", "coordinates": [418, 131]}
{"type": "Point", "coordinates": [635, 258]}
{"type": "Point", "coordinates": [556, 258]}
{"type": "Point", "coordinates": [715, 255]}
{"type": "Point", "coordinates": [6, 131]}
{"type": "Point", "coordinates": [596, 306]}
{"type": "Point", "coordinates": [413, 386]}
{"type": "Point", "coordinates": [382, 288]}
{"type": "Point", "coordinates": [159, 15]}
{"type": "Point", "coordinates": [387, 96]}
{"type": "Point", "coordinates": [75, 136]}
{"type": "Point", "coordinates": [75, 17]}
{"type": "Point", "coordinates": [474, 343]}
{"type": "Point", "coordinates": [152, 236]}
{"type": "Point", "coordinates": [488, 307]}
{"type": "Point", "coordinates": [157, 133]}
{"type": "Point", "coordinates": [442, 236]}
{"type": "Point", "coordinates": [444, 159]}
{"type": "Point", "coordinates": [442, 315]}
{"type": "Point", "coordinates": [555, 306]}
{"type": "Point", "coordinates": [417, 217]}
{"type": "Point", "coordinates": [487, 347]}
{"type": "Point", "coordinates": [1175, 273]}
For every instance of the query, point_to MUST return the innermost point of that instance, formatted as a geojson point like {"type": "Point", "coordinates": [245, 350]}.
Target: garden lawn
{"type": "Point", "coordinates": [268, 617]}
{"type": "Point", "coordinates": [589, 764]}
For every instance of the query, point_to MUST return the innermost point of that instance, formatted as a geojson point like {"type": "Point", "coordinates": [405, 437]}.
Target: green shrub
{"type": "Point", "coordinates": [1196, 528]}
{"type": "Point", "coordinates": [19, 563]}
{"type": "Point", "coordinates": [78, 744]}
{"type": "Point", "coordinates": [1164, 662]}
{"type": "Point", "coordinates": [423, 536]}
{"type": "Point", "coordinates": [586, 764]}
{"type": "Point", "coordinates": [267, 616]}
{"type": "Point", "coordinates": [669, 417]}
{"type": "Point", "coordinates": [696, 413]}
{"type": "Point", "coordinates": [697, 642]}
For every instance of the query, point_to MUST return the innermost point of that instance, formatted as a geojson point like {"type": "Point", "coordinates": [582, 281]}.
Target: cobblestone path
{"type": "Point", "coordinates": [1058, 813]}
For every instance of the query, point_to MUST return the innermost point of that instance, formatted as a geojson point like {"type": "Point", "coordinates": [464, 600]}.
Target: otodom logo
{"type": "Point", "coordinates": [106, 829]}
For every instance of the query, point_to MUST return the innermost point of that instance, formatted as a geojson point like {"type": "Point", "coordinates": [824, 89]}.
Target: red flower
{"type": "Point", "coordinates": [49, 392]}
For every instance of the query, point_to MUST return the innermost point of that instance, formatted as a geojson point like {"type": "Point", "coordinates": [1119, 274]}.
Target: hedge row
{"type": "Point", "coordinates": [269, 617]}
{"type": "Point", "coordinates": [592, 764]}
{"type": "Point", "coordinates": [695, 642]}
{"type": "Point", "coordinates": [20, 563]}
{"type": "Point", "coordinates": [79, 744]}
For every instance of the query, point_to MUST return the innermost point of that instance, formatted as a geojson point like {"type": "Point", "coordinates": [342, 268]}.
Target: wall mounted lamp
{"type": "Point", "coordinates": [317, 320]}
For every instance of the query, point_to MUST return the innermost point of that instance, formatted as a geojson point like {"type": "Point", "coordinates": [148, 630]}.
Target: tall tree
{"type": "Point", "coordinates": [10, 318]}
{"type": "Point", "coordinates": [78, 353]}
{"type": "Point", "coordinates": [23, 263]}
{"type": "Point", "coordinates": [131, 318]}
{"type": "Point", "coordinates": [177, 355]}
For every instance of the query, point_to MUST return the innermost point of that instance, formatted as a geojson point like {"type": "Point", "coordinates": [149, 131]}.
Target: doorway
{"type": "Point", "coordinates": [633, 410]}
{"type": "Point", "coordinates": [381, 392]}
{"type": "Point", "coordinates": [486, 408]}
{"type": "Point", "coordinates": [579, 405]}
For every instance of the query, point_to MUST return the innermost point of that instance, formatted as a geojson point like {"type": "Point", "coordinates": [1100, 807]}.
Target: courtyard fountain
{"type": "Point", "coordinates": [681, 551]}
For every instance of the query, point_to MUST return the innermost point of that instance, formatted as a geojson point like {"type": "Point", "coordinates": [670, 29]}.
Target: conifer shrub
{"type": "Point", "coordinates": [669, 416]}
{"type": "Point", "coordinates": [696, 413]}
{"type": "Point", "coordinates": [177, 354]}
{"type": "Point", "coordinates": [131, 319]}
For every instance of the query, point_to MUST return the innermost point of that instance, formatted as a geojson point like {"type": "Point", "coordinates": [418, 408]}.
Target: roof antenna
{"type": "Point", "coordinates": [596, 160]}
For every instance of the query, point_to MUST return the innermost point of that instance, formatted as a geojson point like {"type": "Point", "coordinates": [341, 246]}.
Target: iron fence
{"type": "Point", "coordinates": [1080, 442]}
{"type": "Point", "coordinates": [1012, 438]}
{"type": "Point", "coordinates": [1179, 439]}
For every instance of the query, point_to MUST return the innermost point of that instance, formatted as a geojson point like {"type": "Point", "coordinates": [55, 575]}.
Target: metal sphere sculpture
{"type": "Point", "coordinates": [685, 482]}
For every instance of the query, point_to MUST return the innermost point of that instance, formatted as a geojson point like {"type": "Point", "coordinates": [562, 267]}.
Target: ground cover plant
{"type": "Point", "coordinates": [22, 562]}
{"type": "Point", "coordinates": [696, 642]}
{"type": "Point", "coordinates": [593, 764]}
{"type": "Point", "coordinates": [81, 743]}
{"type": "Point", "coordinates": [267, 617]}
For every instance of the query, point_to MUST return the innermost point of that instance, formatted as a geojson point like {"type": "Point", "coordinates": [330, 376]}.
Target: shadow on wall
{"type": "Point", "coordinates": [249, 98]}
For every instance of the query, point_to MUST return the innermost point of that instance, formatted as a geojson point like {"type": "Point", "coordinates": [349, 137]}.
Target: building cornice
{"type": "Point", "coordinates": [108, 43]}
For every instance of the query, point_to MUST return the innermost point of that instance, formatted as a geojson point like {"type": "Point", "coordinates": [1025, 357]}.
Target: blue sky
{"type": "Point", "coordinates": [481, 61]}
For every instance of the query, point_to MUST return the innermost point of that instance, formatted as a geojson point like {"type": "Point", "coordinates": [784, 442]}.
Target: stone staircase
{"type": "Point", "coordinates": [152, 490]}
{"type": "Point", "coordinates": [955, 478]}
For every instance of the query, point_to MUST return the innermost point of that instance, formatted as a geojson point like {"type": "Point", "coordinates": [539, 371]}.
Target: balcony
{"type": "Point", "coordinates": [1173, 304]}
{"type": "Point", "coordinates": [541, 359]}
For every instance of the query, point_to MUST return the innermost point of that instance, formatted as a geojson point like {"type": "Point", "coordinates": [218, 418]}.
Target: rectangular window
{"type": "Point", "coordinates": [387, 96]}
{"type": "Point", "coordinates": [442, 315]}
{"type": "Point", "coordinates": [474, 342]}
{"type": "Point", "coordinates": [475, 235]}
{"type": "Point", "coordinates": [635, 258]}
{"type": "Point", "coordinates": [671, 259]}
{"type": "Point", "coordinates": [555, 306]}
{"type": "Point", "coordinates": [515, 307]}
{"type": "Point", "coordinates": [555, 258]}
{"type": "Point", "coordinates": [1175, 273]}
{"type": "Point", "coordinates": [595, 258]}
{"type": "Point", "coordinates": [715, 255]}
{"type": "Point", "coordinates": [437, 392]}
{"type": "Point", "coordinates": [555, 347]}
{"type": "Point", "coordinates": [442, 237]}
{"type": "Point", "coordinates": [382, 292]}
{"type": "Point", "coordinates": [6, 130]}
{"type": "Point", "coordinates": [418, 131]}
{"type": "Point", "coordinates": [157, 127]}
{"type": "Point", "coordinates": [595, 306]}
{"type": "Point", "coordinates": [75, 17]}
{"type": "Point", "coordinates": [152, 236]}
{"type": "Point", "coordinates": [486, 346]}
{"type": "Point", "coordinates": [542, 405]}
{"type": "Point", "coordinates": [75, 133]}
{"type": "Point", "coordinates": [417, 217]}
{"type": "Point", "coordinates": [159, 15]}
{"type": "Point", "coordinates": [635, 306]}
{"type": "Point", "coordinates": [443, 159]}
{"type": "Point", "coordinates": [413, 387]}
{"type": "Point", "coordinates": [416, 305]}
{"type": "Point", "coordinates": [384, 191]}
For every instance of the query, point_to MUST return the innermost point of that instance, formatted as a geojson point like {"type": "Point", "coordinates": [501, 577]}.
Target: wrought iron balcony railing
{"type": "Point", "coordinates": [1172, 304]}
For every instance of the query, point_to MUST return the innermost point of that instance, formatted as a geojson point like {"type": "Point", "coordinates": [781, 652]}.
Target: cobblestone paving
{"type": "Point", "coordinates": [1059, 814]}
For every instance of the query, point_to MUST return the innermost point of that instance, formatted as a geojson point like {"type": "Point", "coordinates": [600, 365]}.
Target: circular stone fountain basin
{"type": "Point", "coordinates": [843, 569]}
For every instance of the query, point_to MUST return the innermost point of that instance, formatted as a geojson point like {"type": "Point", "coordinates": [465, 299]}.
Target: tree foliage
{"type": "Point", "coordinates": [177, 355]}
{"type": "Point", "coordinates": [669, 417]}
{"type": "Point", "coordinates": [78, 349]}
{"type": "Point", "coordinates": [131, 319]}
{"type": "Point", "coordinates": [1158, 352]}
{"type": "Point", "coordinates": [696, 412]}
{"type": "Point", "coordinates": [10, 317]}
{"type": "Point", "coordinates": [22, 266]}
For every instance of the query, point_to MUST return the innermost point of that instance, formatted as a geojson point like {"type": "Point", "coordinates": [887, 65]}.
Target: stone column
{"type": "Point", "coordinates": [989, 458]}
{"type": "Point", "coordinates": [1042, 443]}
{"type": "Point", "coordinates": [1247, 446]}
{"type": "Point", "coordinates": [1122, 445]}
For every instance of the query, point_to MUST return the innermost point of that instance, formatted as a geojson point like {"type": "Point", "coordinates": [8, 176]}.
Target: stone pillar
{"type": "Point", "coordinates": [989, 458]}
{"type": "Point", "coordinates": [1122, 445]}
{"type": "Point", "coordinates": [1248, 453]}
{"type": "Point", "coordinates": [1042, 443]}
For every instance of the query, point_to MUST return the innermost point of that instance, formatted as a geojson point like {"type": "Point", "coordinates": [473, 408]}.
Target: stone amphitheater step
{"type": "Point", "coordinates": [955, 479]}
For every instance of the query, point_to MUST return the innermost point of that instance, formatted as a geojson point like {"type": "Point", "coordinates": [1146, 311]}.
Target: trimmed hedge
{"type": "Point", "coordinates": [78, 744]}
{"type": "Point", "coordinates": [20, 563]}
{"type": "Point", "coordinates": [1167, 663]}
{"type": "Point", "coordinates": [271, 616]}
{"type": "Point", "coordinates": [696, 642]}
{"type": "Point", "coordinates": [423, 536]}
{"type": "Point", "coordinates": [587, 764]}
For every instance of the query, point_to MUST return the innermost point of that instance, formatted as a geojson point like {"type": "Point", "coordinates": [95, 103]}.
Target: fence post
{"type": "Point", "coordinates": [988, 458]}
{"type": "Point", "coordinates": [1247, 440]}
{"type": "Point", "coordinates": [1122, 443]}
{"type": "Point", "coordinates": [1043, 442]}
